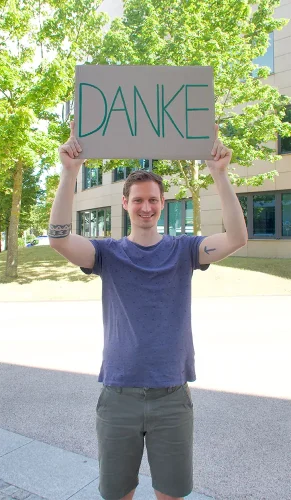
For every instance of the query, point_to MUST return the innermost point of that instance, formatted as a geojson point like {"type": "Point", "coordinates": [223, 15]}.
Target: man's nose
{"type": "Point", "coordinates": [146, 206]}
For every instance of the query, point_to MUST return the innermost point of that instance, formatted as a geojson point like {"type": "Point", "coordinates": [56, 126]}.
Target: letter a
{"type": "Point", "coordinates": [118, 109]}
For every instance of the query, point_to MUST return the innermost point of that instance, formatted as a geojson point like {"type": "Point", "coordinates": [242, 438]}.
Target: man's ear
{"type": "Point", "coordinates": [124, 202]}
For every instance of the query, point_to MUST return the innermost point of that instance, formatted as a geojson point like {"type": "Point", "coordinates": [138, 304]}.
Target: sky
{"type": "Point", "coordinates": [112, 7]}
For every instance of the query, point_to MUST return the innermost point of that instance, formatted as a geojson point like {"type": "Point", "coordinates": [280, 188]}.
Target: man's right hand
{"type": "Point", "coordinates": [69, 153]}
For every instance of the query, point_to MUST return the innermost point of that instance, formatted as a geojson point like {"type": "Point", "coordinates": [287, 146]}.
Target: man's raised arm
{"type": "Point", "coordinates": [75, 248]}
{"type": "Point", "coordinates": [219, 246]}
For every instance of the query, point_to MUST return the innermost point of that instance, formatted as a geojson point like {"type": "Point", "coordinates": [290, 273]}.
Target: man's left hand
{"type": "Point", "coordinates": [221, 156]}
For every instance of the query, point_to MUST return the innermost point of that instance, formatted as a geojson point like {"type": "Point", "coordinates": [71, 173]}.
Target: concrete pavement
{"type": "Point", "coordinates": [34, 471]}
{"type": "Point", "coordinates": [50, 356]}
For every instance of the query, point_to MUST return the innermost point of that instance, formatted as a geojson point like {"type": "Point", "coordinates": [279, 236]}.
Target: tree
{"type": "Point", "coordinates": [31, 191]}
{"type": "Point", "coordinates": [40, 214]}
{"type": "Point", "coordinates": [227, 35]}
{"type": "Point", "coordinates": [40, 44]}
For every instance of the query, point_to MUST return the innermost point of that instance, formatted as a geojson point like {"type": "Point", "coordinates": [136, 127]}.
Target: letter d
{"type": "Point", "coordinates": [81, 109]}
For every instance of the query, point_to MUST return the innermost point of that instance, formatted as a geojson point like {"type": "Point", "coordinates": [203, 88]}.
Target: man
{"type": "Point", "coordinates": [148, 355]}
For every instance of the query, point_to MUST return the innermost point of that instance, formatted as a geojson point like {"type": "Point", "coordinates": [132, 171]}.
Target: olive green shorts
{"type": "Point", "coordinates": [163, 418]}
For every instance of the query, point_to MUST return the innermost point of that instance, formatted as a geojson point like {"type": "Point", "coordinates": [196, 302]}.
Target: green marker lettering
{"type": "Point", "coordinates": [118, 109]}
{"type": "Point", "coordinates": [165, 111]}
{"type": "Point", "coordinates": [156, 129]}
{"type": "Point", "coordinates": [81, 108]}
{"type": "Point", "coordinates": [193, 109]}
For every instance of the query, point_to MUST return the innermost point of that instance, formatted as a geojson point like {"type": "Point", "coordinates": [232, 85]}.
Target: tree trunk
{"type": "Point", "coordinates": [196, 203]}
{"type": "Point", "coordinates": [12, 253]}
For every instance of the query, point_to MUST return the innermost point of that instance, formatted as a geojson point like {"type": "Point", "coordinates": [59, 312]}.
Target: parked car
{"type": "Point", "coordinates": [32, 243]}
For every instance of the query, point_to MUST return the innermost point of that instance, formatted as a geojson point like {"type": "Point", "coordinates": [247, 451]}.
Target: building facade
{"type": "Point", "coordinates": [98, 211]}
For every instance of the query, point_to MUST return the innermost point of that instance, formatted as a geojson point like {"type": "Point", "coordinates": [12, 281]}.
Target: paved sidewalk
{"type": "Point", "coordinates": [32, 470]}
{"type": "Point", "coordinates": [50, 357]}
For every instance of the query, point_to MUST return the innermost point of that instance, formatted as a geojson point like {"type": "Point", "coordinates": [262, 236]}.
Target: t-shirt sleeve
{"type": "Point", "coordinates": [195, 242]}
{"type": "Point", "coordinates": [97, 268]}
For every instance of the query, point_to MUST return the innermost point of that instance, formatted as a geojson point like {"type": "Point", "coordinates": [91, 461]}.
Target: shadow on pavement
{"type": "Point", "coordinates": [242, 443]}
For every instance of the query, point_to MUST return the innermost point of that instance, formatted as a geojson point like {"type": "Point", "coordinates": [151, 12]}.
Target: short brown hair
{"type": "Point", "coordinates": [142, 176]}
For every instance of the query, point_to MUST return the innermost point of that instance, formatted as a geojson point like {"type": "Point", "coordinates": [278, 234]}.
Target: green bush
{"type": "Point", "coordinates": [20, 242]}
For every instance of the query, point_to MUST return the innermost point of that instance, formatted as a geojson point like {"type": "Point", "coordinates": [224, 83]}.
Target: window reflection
{"type": "Point", "coordinates": [244, 205]}
{"type": "Point", "coordinates": [175, 218]}
{"type": "Point", "coordinates": [286, 214]}
{"type": "Point", "coordinates": [189, 218]}
{"type": "Point", "coordinates": [264, 215]}
{"type": "Point", "coordinates": [92, 177]}
{"type": "Point", "coordinates": [95, 223]}
{"type": "Point", "coordinates": [87, 224]}
{"type": "Point", "coordinates": [144, 164]}
{"type": "Point", "coordinates": [161, 222]}
{"type": "Point", "coordinates": [101, 230]}
{"type": "Point", "coordinates": [108, 223]}
{"type": "Point", "coordinates": [119, 174]}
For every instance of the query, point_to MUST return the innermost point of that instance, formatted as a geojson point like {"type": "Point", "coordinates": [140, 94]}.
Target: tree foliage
{"type": "Point", "coordinates": [227, 35]}
{"type": "Point", "coordinates": [40, 44]}
{"type": "Point", "coordinates": [40, 214]}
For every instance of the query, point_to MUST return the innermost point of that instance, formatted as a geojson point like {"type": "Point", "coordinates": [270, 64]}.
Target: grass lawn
{"type": "Point", "coordinates": [43, 275]}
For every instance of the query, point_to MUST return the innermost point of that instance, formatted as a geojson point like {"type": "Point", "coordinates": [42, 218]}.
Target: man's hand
{"type": "Point", "coordinates": [69, 152]}
{"type": "Point", "coordinates": [221, 155]}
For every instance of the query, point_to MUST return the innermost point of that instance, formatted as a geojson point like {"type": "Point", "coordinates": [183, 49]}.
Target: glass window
{"type": "Point", "coordinates": [101, 223]}
{"type": "Point", "coordinates": [92, 177]}
{"type": "Point", "coordinates": [285, 142]}
{"type": "Point", "coordinates": [161, 222]}
{"type": "Point", "coordinates": [286, 214]}
{"type": "Point", "coordinates": [127, 224]}
{"type": "Point", "coordinates": [189, 218]}
{"type": "Point", "coordinates": [119, 174]}
{"type": "Point", "coordinates": [108, 222]}
{"type": "Point", "coordinates": [96, 223]}
{"type": "Point", "coordinates": [87, 224]}
{"type": "Point", "coordinates": [268, 58]}
{"type": "Point", "coordinates": [175, 218]}
{"type": "Point", "coordinates": [244, 205]}
{"type": "Point", "coordinates": [264, 215]}
{"type": "Point", "coordinates": [93, 223]}
{"type": "Point", "coordinates": [144, 164]}
{"type": "Point", "coordinates": [82, 222]}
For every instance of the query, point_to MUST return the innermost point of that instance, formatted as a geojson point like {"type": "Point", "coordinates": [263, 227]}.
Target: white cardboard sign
{"type": "Point", "coordinates": [160, 112]}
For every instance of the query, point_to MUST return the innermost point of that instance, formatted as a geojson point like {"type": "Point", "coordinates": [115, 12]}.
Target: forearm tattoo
{"type": "Point", "coordinates": [59, 230]}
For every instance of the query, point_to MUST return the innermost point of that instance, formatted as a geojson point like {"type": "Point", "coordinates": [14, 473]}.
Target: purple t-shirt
{"type": "Point", "coordinates": [146, 299]}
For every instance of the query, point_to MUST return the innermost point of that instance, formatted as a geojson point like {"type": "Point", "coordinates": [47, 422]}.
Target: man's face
{"type": "Point", "coordinates": [144, 205]}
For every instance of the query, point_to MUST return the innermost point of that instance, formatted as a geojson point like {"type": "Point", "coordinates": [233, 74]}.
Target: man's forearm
{"type": "Point", "coordinates": [232, 214]}
{"type": "Point", "coordinates": [61, 214]}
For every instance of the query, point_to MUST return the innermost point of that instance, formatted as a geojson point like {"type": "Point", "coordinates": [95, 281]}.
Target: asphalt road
{"type": "Point", "coordinates": [50, 355]}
